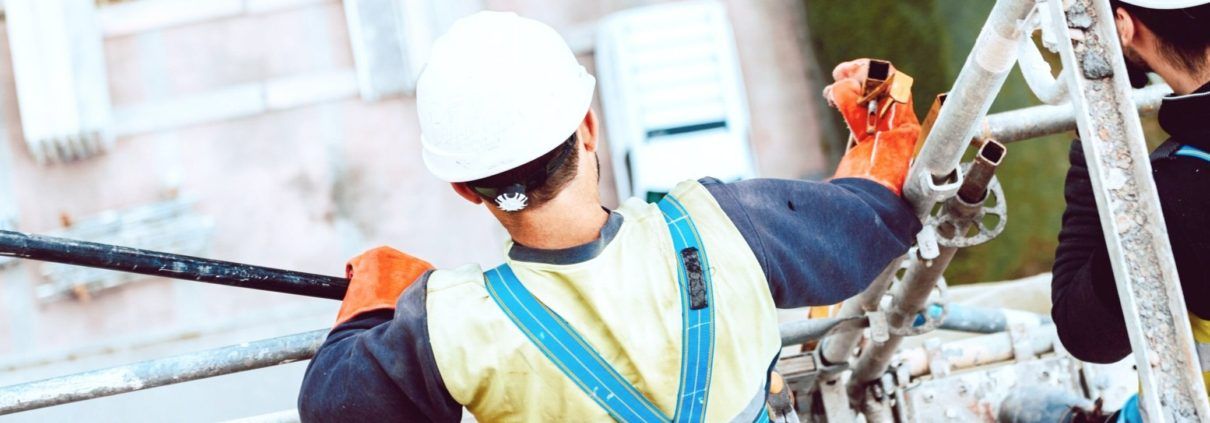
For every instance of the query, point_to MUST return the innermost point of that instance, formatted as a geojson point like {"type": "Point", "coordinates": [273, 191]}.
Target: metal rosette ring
{"type": "Point", "coordinates": [994, 206]}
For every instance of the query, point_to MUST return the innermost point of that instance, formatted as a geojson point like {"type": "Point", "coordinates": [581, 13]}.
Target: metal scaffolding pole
{"type": "Point", "coordinates": [837, 348]}
{"type": "Point", "coordinates": [979, 350]}
{"type": "Point", "coordinates": [1107, 117]}
{"type": "Point", "coordinates": [302, 346]}
{"type": "Point", "coordinates": [1005, 127]}
{"type": "Point", "coordinates": [1039, 121]}
{"type": "Point", "coordinates": [934, 173]}
{"type": "Point", "coordinates": [911, 295]}
{"type": "Point", "coordinates": [160, 372]}
{"type": "Point", "coordinates": [1147, 282]}
{"type": "Point", "coordinates": [155, 263]}
{"type": "Point", "coordinates": [957, 318]}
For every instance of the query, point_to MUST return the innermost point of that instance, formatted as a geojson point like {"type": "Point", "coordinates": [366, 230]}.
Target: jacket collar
{"type": "Point", "coordinates": [1187, 117]}
{"type": "Point", "coordinates": [573, 255]}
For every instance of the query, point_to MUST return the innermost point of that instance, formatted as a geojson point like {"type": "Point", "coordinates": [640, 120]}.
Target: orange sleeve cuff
{"type": "Point", "coordinates": [376, 280]}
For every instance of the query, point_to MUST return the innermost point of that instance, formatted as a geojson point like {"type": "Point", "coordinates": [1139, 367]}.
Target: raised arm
{"type": "Point", "coordinates": [818, 242]}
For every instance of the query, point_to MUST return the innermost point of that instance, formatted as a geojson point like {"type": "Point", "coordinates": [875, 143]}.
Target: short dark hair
{"type": "Point", "coordinates": [543, 177]}
{"type": "Point", "coordinates": [1184, 34]}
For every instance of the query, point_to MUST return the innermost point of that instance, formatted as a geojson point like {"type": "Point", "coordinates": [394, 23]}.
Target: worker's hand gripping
{"type": "Point", "coordinates": [876, 102]}
{"type": "Point", "coordinates": [376, 279]}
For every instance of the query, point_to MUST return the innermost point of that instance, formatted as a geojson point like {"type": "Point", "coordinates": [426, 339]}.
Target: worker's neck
{"type": "Point", "coordinates": [573, 218]}
{"type": "Point", "coordinates": [1181, 80]}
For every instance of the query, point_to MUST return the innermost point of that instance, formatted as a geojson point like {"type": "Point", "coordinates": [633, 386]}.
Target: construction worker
{"type": "Point", "coordinates": [651, 312]}
{"type": "Point", "coordinates": [1170, 38]}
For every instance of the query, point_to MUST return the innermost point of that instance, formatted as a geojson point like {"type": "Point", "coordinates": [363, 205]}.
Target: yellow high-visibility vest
{"type": "Point", "coordinates": [626, 303]}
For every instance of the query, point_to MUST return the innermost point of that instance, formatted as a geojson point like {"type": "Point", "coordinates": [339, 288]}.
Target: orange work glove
{"type": "Point", "coordinates": [885, 155]}
{"type": "Point", "coordinates": [376, 280]}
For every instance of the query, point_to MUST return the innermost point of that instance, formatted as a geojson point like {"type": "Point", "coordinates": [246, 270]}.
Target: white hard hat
{"type": "Point", "coordinates": [498, 91]}
{"type": "Point", "coordinates": [1166, 4]}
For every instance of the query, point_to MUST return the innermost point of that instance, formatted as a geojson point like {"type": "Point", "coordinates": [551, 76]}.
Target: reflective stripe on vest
{"type": "Point", "coordinates": [1194, 152]}
{"type": "Point", "coordinates": [572, 354]}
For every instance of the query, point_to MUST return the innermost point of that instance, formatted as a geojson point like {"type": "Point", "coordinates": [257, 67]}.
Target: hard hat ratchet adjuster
{"type": "Point", "coordinates": [510, 196]}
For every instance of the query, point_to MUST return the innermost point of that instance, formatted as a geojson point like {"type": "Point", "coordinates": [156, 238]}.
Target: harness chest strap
{"type": "Point", "coordinates": [1191, 151]}
{"type": "Point", "coordinates": [572, 354]}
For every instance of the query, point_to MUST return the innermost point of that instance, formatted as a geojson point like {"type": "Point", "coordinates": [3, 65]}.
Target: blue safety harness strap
{"type": "Point", "coordinates": [568, 350]}
{"type": "Point", "coordinates": [697, 329]}
{"type": "Point", "coordinates": [584, 365]}
{"type": "Point", "coordinates": [1191, 151]}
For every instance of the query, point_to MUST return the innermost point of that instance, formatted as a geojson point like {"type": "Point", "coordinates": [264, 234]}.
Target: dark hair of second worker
{"type": "Point", "coordinates": [545, 190]}
{"type": "Point", "coordinates": [1184, 34]}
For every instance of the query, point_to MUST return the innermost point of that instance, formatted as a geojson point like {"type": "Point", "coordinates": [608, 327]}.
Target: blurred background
{"type": "Point", "coordinates": [283, 133]}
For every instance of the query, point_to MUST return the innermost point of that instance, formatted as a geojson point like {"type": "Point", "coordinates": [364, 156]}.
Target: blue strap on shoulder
{"type": "Point", "coordinates": [584, 365]}
{"type": "Point", "coordinates": [1194, 152]}
{"type": "Point", "coordinates": [697, 328]}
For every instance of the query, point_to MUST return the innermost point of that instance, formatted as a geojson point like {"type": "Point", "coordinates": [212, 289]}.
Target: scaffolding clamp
{"type": "Point", "coordinates": [927, 247]}
{"type": "Point", "coordinates": [879, 329]}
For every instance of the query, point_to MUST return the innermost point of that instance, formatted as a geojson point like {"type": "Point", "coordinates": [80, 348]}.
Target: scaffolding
{"type": "Point", "coordinates": [1093, 87]}
{"type": "Point", "coordinates": [858, 367]}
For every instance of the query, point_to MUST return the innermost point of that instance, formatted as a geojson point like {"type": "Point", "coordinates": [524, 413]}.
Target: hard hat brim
{"type": "Point", "coordinates": [1166, 4]}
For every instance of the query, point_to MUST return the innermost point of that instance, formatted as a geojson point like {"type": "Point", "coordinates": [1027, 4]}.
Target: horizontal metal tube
{"type": "Point", "coordinates": [155, 263]}
{"type": "Point", "coordinates": [958, 317]}
{"type": "Point", "coordinates": [839, 347]}
{"type": "Point", "coordinates": [964, 318]}
{"type": "Point", "coordinates": [1039, 121]}
{"type": "Point", "coordinates": [977, 351]}
{"type": "Point", "coordinates": [302, 346]}
{"type": "Point", "coordinates": [806, 330]}
{"type": "Point", "coordinates": [159, 372]}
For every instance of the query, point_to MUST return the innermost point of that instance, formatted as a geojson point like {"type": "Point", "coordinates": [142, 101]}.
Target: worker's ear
{"type": "Point", "coordinates": [465, 191]}
{"type": "Point", "coordinates": [589, 130]}
{"type": "Point", "coordinates": [1126, 29]}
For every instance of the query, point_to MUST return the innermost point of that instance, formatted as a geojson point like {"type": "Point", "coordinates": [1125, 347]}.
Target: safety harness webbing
{"type": "Point", "coordinates": [697, 317]}
{"type": "Point", "coordinates": [1191, 151]}
{"type": "Point", "coordinates": [584, 365]}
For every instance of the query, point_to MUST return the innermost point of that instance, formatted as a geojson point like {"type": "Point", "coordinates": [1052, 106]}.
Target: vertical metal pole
{"type": "Point", "coordinates": [911, 295]}
{"type": "Point", "coordinates": [1137, 237]}
{"type": "Point", "coordinates": [838, 348]}
{"type": "Point", "coordinates": [981, 78]}
{"type": "Point", "coordinates": [963, 112]}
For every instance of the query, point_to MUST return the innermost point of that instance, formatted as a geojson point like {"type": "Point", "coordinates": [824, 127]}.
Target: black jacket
{"type": "Point", "coordinates": [1086, 310]}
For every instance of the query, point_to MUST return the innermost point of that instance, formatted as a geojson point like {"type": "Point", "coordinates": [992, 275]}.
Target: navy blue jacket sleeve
{"type": "Point", "coordinates": [379, 366]}
{"type": "Point", "coordinates": [818, 242]}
